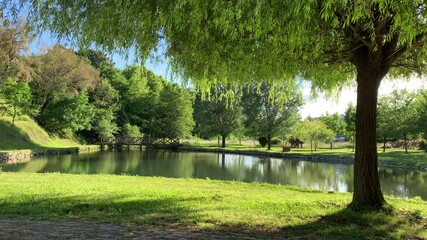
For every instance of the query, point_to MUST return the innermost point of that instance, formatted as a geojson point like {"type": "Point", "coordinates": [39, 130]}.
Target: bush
{"type": "Point", "coordinates": [263, 141]}
{"type": "Point", "coordinates": [422, 145]}
{"type": "Point", "coordinates": [275, 141]}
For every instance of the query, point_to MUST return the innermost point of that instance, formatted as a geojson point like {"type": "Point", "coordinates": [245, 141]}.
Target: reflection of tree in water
{"type": "Point", "coordinates": [403, 182]}
{"type": "Point", "coordinates": [339, 177]}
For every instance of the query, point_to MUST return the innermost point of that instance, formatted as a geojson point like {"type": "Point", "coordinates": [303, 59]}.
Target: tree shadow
{"type": "Point", "coordinates": [171, 212]}
{"type": "Point", "coordinates": [114, 207]}
{"type": "Point", "coordinates": [12, 138]}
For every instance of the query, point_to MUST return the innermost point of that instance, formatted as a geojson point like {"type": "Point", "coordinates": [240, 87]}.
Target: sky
{"type": "Point", "coordinates": [312, 107]}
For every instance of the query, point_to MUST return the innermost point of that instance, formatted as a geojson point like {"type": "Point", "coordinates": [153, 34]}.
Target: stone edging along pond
{"type": "Point", "coordinates": [294, 156]}
{"type": "Point", "coordinates": [26, 155]}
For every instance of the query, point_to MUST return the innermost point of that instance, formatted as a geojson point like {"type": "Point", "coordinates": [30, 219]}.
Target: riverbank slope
{"type": "Point", "coordinates": [27, 139]}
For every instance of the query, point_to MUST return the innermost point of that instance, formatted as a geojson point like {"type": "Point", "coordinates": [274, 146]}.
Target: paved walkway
{"type": "Point", "coordinates": [25, 228]}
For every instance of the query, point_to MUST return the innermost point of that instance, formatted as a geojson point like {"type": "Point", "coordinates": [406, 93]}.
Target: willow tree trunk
{"type": "Point", "coordinates": [367, 190]}
{"type": "Point", "coordinates": [223, 142]}
{"type": "Point", "coordinates": [268, 142]}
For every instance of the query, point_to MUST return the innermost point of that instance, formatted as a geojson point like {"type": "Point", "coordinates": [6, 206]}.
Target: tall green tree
{"type": "Point", "coordinates": [327, 42]}
{"type": "Point", "coordinates": [174, 112]}
{"type": "Point", "coordinates": [386, 128]}
{"type": "Point", "coordinates": [333, 122]}
{"type": "Point", "coordinates": [17, 97]}
{"type": "Point", "coordinates": [59, 73]}
{"type": "Point", "coordinates": [267, 115]}
{"type": "Point", "coordinates": [350, 124]}
{"type": "Point", "coordinates": [313, 131]}
{"type": "Point", "coordinates": [68, 115]}
{"type": "Point", "coordinates": [421, 110]}
{"type": "Point", "coordinates": [402, 117]}
{"type": "Point", "coordinates": [218, 115]}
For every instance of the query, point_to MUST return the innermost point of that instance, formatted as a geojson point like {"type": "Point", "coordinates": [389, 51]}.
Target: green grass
{"type": "Point", "coordinates": [26, 134]}
{"type": "Point", "coordinates": [260, 209]}
{"type": "Point", "coordinates": [394, 156]}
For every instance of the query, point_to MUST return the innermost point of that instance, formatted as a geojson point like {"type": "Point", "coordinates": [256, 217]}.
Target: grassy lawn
{"type": "Point", "coordinates": [260, 209]}
{"type": "Point", "coordinates": [26, 134]}
{"type": "Point", "coordinates": [391, 156]}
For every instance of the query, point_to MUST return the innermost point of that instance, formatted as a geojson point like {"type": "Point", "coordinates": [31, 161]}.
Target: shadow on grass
{"type": "Point", "coordinates": [13, 139]}
{"type": "Point", "coordinates": [174, 213]}
{"type": "Point", "coordinates": [111, 208]}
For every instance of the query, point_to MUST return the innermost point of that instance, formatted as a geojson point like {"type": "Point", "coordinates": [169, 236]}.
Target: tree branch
{"type": "Point", "coordinates": [393, 56]}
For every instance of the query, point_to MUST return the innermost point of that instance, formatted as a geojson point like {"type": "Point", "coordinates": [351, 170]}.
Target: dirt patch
{"type": "Point", "coordinates": [35, 229]}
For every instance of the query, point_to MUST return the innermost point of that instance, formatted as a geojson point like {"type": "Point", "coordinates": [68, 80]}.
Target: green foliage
{"type": "Point", "coordinates": [270, 112]}
{"type": "Point", "coordinates": [420, 107]}
{"type": "Point", "coordinates": [263, 141]}
{"type": "Point", "coordinates": [96, 58]}
{"type": "Point", "coordinates": [397, 116]}
{"type": "Point", "coordinates": [174, 112]}
{"type": "Point", "coordinates": [59, 72]}
{"type": "Point", "coordinates": [130, 131]}
{"type": "Point", "coordinates": [313, 132]}
{"type": "Point", "coordinates": [350, 122]}
{"type": "Point", "coordinates": [68, 114]}
{"type": "Point", "coordinates": [218, 115]}
{"type": "Point", "coordinates": [17, 97]}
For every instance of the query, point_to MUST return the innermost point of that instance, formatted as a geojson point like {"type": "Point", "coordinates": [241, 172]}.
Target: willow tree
{"type": "Point", "coordinates": [328, 42]}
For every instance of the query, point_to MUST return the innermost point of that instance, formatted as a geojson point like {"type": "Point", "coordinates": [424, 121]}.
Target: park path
{"type": "Point", "coordinates": [36, 229]}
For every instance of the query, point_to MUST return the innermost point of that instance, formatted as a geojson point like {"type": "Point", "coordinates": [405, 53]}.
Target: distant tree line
{"type": "Point", "coordinates": [83, 95]}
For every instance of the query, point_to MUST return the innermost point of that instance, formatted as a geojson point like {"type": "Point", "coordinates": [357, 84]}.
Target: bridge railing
{"type": "Point", "coordinates": [137, 141]}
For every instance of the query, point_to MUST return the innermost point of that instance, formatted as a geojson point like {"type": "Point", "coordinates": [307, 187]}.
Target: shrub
{"type": "Point", "coordinates": [275, 141]}
{"type": "Point", "coordinates": [262, 141]}
{"type": "Point", "coordinates": [422, 145]}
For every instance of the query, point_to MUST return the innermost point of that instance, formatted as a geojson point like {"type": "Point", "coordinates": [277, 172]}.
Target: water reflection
{"type": "Point", "coordinates": [323, 176]}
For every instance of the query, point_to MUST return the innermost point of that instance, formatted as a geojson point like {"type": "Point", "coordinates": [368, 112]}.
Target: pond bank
{"type": "Point", "coordinates": [26, 155]}
{"type": "Point", "coordinates": [294, 156]}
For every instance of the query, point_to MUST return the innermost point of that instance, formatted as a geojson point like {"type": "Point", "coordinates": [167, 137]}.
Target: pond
{"type": "Point", "coordinates": [397, 182]}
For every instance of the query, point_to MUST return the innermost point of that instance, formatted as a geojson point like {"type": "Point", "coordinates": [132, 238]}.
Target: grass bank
{"type": "Point", "coordinates": [256, 209]}
{"type": "Point", "coordinates": [392, 156]}
{"type": "Point", "coordinates": [27, 134]}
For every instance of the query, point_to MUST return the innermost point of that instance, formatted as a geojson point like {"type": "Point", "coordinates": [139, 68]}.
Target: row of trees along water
{"type": "Point", "coordinates": [82, 94]}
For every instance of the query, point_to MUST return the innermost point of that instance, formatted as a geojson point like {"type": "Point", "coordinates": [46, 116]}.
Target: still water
{"type": "Point", "coordinates": [323, 176]}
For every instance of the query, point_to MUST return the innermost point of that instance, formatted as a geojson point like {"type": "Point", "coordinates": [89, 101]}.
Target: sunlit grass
{"type": "Point", "coordinates": [205, 204]}
{"type": "Point", "coordinates": [26, 134]}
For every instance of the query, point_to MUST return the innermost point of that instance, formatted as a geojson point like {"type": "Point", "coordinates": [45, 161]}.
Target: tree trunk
{"type": "Point", "coordinates": [218, 141]}
{"type": "Point", "coordinates": [384, 144]}
{"type": "Point", "coordinates": [223, 142]}
{"type": "Point", "coordinates": [311, 146]}
{"type": "Point", "coordinates": [268, 142]}
{"type": "Point", "coordinates": [354, 144]}
{"type": "Point", "coordinates": [14, 116]}
{"type": "Point", "coordinates": [405, 139]}
{"type": "Point", "coordinates": [367, 190]}
{"type": "Point", "coordinates": [331, 145]}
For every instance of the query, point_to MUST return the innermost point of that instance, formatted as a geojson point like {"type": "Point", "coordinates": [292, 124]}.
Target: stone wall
{"type": "Point", "coordinates": [26, 155]}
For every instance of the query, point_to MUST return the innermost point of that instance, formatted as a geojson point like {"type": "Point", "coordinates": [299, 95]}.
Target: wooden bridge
{"type": "Point", "coordinates": [121, 142]}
